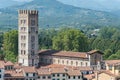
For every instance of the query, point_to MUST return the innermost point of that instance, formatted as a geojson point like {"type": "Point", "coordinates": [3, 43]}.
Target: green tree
{"type": "Point", "coordinates": [1, 40]}
{"type": "Point", "coordinates": [116, 35]}
{"type": "Point", "coordinates": [10, 56]}
{"type": "Point", "coordinates": [10, 44]}
{"type": "Point", "coordinates": [107, 32]}
{"type": "Point", "coordinates": [45, 38]}
{"type": "Point", "coordinates": [70, 40]}
{"type": "Point", "coordinates": [107, 53]}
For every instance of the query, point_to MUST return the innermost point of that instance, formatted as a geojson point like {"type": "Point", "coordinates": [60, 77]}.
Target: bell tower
{"type": "Point", "coordinates": [28, 37]}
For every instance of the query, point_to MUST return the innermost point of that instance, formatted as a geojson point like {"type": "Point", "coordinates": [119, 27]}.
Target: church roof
{"type": "Point", "coordinates": [63, 53]}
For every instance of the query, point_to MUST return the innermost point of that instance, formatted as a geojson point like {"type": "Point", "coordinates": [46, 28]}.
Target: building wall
{"type": "Point", "coordinates": [44, 77]}
{"type": "Point", "coordinates": [68, 61]}
{"type": "Point", "coordinates": [76, 78]}
{"type": "Point", "coordinates": [1, 73]}
{"type": "Point", "coordinates": [30, 76]}
{"type": "Point", "coordinates": [59, 76]}
{"type": "Point", "coordinates": [113, 69]}
{"type": "Point", "coordinates": [95, 60]}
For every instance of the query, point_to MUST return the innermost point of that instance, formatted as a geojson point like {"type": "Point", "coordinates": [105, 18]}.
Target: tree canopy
{"type": "Point", "coordinates": [70, 40]}
{"type": "Point", "coordinates": [10, 44]}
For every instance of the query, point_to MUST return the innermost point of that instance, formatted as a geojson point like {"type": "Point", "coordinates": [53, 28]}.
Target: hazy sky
{"type": "Point", "coordinates": [23, 0]}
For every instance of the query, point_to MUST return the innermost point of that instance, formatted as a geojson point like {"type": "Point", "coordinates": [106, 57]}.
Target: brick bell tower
{"type": "Point", "coordinates": [28, 37]}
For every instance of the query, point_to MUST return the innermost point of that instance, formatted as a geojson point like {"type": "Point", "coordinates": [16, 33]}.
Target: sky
{"type": "Point", "coordinates": [22, 0]}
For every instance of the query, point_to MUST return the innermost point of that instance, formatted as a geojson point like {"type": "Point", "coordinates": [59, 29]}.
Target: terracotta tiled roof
{"type": "Point", "coordinates": [85, 69]}
{"type": "Point", "coordinates": [64, 66]}
{"type": "Point", "coordinates": [74, 72]}
{"type": "Point", "coordinates": [49, 71]}
{"type": "Point", "coordinates": [58, 70]}
{"type": "Point", "coordinates": [52, 66]}
{"type": "Point", "coordinates": [89, 76]}
{"type": "Point", "coordinates": [17, 66]}
{"type": "Point", "coordinates": [95, 51]}
{"type": "Point", "coordinates": [13, 73]}
{"type": "Point", "coordinates": [44, 71]}
{"type": "Point", "coordinates": [63, 53]}
{"type": "Point", "coordinates": [8, 63]}
{"type": "Point", "coordinates": [28, 69]}
{"type": "Point", "coordinates": [5, 63]}
{"type": "Point", "coordinates": [112, 62]}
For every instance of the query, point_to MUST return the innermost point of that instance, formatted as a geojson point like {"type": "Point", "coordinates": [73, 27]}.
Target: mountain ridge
{"type": "Point", "coordinates": [55, 14]}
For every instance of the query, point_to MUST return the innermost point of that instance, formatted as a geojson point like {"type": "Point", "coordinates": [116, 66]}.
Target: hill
{"type": "Point", "coordinates": [55, 14]}
{"type": "Point", "coordinates": [102, 5]}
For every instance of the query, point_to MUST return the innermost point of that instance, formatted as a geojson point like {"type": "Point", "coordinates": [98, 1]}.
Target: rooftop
{"type": "Point", "coordinates": [63, 53]}
{"type": "Point", "coordinates": [112, 62]}
{"type": "Point", "coordinates": [28, 69]}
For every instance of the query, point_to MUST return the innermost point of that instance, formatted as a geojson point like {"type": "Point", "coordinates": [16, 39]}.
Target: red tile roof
{"type": "Point", "coordinates": [74, 72]}
{"type": "Point", "coordinates": [95, 51]}
{"type": "Point", "coordinates": [8, 63]}
{"type": "Point", "coordinates": [112, 62]}
{"type": "Point", "coordinates": [89, 76]}
{"type": "Point", "coordinates": [49, 71]}
{"type": "Point", "coordinates": [44, 71]}
{"type": "Point", "coordinates": [28, 69]}
{"type": "Point", "coordinates": [58, 70]}
{"type": "Point", "coordinates": [14, 74]}
{"type": "Point", "coordinates": [63, 53]}
{"type": "Point", "coordinates": [64, 66]}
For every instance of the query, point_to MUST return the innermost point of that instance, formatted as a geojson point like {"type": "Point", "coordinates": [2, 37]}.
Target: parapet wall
{"type": "Point", "coordinates": [28, 11]}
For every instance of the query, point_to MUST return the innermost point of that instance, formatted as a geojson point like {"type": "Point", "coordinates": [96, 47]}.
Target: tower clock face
{"type": "Point", "coordinates": [33, 38]}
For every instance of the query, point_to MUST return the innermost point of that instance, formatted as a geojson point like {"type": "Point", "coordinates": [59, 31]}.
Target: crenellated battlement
{"type": "Point", "coordinates": [28, 11]}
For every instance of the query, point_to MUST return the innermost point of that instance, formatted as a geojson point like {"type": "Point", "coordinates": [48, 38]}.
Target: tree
{"type": "Point", "coordinates": [107, 32]}
{"type": "Point", "coordinates": [108, 52]}
{"type": "Point", "coordinates": [1, 40]}
{"type": "Point", "coordinates": [45, 38]}
{"type": "Point", "coordinates": [70, 40]}
{"type": "Point", "coordinates": [10, 44]}
{"type": "Point", "coordinates": [115, 56]}
{"type": "Point", "coordinates": [10, 56]}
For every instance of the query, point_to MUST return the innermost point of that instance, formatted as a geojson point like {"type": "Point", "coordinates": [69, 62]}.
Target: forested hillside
{"type": "Point", "coordinates": [53, 13]}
